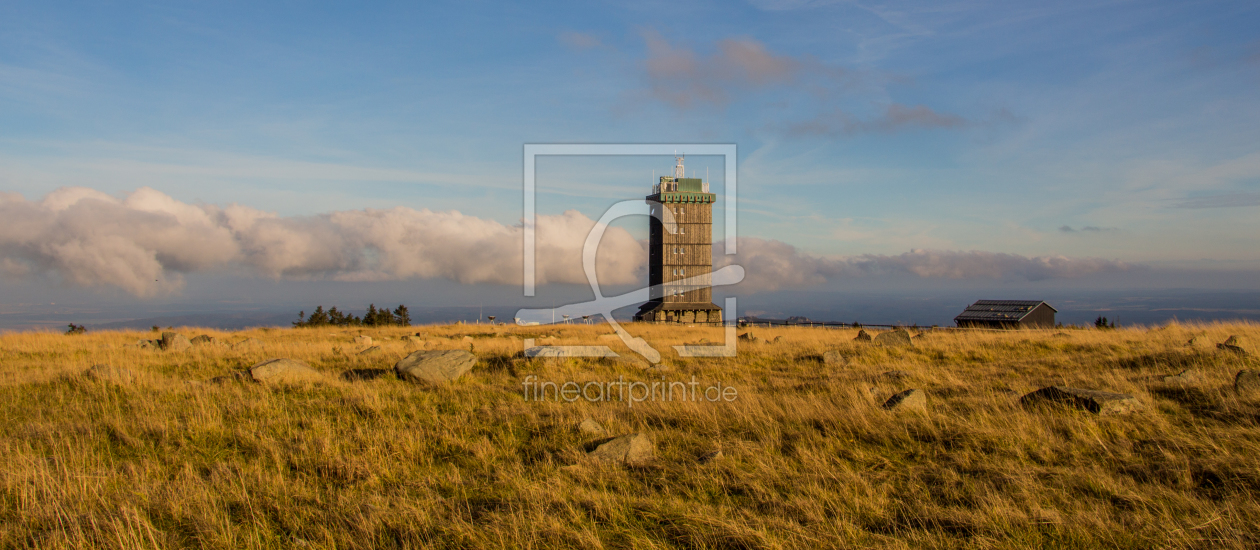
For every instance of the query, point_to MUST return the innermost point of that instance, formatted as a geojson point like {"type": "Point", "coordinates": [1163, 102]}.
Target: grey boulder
{"type": "Point", "coordinates": [911, 399]}
{"type": "Point", "coordinates": [1187, 376]}
{"type": "Point", "coordinates": [1095, 401]}
{"type": "Point", "coordinates": [284, 371]}
{"type": "Point", "coordinates": [1247, 381]}
{"type": "Point", "coordinates": [626, 449]}
{"type": "Point", "coordinates": [205, 340]}
{"type": "Point", "coordinates": [834, 357]}
{"type": "Point", "coordinates": [897, 337]}
{"type": "Point", "coordinates": [174, 342]}
{"type": "Point", "coordinates": [590, 427]}
{"type": "Point", "coordinates": [435, 365]}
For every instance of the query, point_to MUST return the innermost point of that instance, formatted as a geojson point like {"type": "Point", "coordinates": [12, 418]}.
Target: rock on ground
{"type": "Point", "coordinates": [247, 343]}
{"type": "Point", "coordinates": [1232, 344]}
{"type": "Point", "coordinates": [863, 336]}
{"type": "Point", "coordinates": [205, 340]}
{"type": "Point", "coordinates": [370, 350]}
{"type": "Point", "coordinates": [777, 339]}
{"type": "Point", "coordinates": [107, 373]}
{"type": "Point", "coordinates": [897, 337]}
{"type": "Point", "coordinates": [911, 399]}
{"type": "Point", "coordinates": [174, 342]}
{"type": "Point", "coordinates": [363, 340]}
{"type": "Point", "coordinates": [435, 365]}
{"type": "Point", "coordinates": [1247, 381]}
{"type": "Point", "coordinates": [590, 427]}
{"type": "Point", "coordinates": [712, 456]}
{"type": "Point", "coordinates": [833, 357]}
{"type": "Point", "coordinates": [894, 375]}
{"type": "Point", "coordinates": [284, 371]}
{"type": "Point", "coordinates": [625, 449]}
{"type": "Point", "coordinates": [1095, 401]}
{"type": "Point", "coordinates": [1187, 376]}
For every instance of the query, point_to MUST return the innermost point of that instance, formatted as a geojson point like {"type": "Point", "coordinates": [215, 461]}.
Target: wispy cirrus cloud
{"type": "Point", "coordinates": [1087, 229]}
{"type": "Point", "coordinates": [894, 118]}
{"type": "Point", "coordinates": [685, 79]}
{"type": "Point", "coordinates": [1221, 201]}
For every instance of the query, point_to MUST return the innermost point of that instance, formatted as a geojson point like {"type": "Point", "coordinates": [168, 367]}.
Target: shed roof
{"type": "Point", "coordinates": [1000, 310]}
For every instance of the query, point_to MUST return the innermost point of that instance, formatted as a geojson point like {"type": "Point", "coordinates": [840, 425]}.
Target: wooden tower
{"type": "Point", "coordinates": [687, 254]}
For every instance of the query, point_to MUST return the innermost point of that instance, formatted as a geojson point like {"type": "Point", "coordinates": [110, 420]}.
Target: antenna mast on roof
{"type": "Point", "coordinates": [679, 171]}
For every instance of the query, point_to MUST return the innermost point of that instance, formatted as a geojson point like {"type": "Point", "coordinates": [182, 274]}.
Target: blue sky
{"type": "Point", "coordinates": [1121, 131]}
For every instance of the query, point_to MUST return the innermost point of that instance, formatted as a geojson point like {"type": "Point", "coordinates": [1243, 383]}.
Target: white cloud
{"type": "Point", "coordinates": [143, 244]}
{"type": "Point", "coordinates": [772, 265]}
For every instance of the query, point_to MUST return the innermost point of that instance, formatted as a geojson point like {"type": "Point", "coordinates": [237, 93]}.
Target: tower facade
{"type": "Point", "coordinates": [680, 262]}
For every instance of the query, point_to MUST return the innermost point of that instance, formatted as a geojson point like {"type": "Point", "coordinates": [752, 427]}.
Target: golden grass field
{"type": "Point", "coordinates": [809, 458]}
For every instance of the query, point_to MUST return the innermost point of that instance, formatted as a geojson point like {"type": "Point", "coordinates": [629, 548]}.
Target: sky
{"type": "Point", "coordinates": [273, 154]}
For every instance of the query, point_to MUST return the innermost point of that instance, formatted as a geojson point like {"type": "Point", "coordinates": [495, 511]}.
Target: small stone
{"type": "Point", "coordinates": [204, 340]}
{"type": "Point", "coordinates": [1095, 401]}
{"type": "Point", "coordinates": [468, 338]}
{"type": "Point", "coordinates": [174, 342]}
{"type": "Point", "coordinates": [363, 340]}
{"type": "Point", "coordinates": [1247, 381]}
{"type": "Point", "coordinates": [897, 337]}
{"type": "Point", "coordinates": [863, 336]}
{"type": "Point", "coordinates": [284, 371]}
{"type": "Point", "coordinates": [247, 343]}
{"type": "Point", "coordinates": [371, 350]}
{"type": "Point", "coordinates": [1232, 344]}
{"type": "Point", "coordinates": [625, 449]}
{"type": "Point", "coordinates": [834, 357]}
{"type": "Point", "coordinates": [107, 373]}
{"type": "Point", "coordinates": [1198, 341]}
{"type": "Point", "coordinates": [911, 399]}
{"type": "Point", "coordinates": [1184, 377]}
{"type": "Point", "coordinates": [590, 427]}
{"type": "Point", "coordinates": [712, 456]}
{"type": "Point", "coordinates": [748, 336]}
{"type": "Point", "coordinates": [435, 366]}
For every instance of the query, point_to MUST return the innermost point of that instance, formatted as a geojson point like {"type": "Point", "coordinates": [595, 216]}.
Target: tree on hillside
{"type": "Point", "coordinates": [401, 316]}
{"type": "Point", "coordinates": [374, 317]}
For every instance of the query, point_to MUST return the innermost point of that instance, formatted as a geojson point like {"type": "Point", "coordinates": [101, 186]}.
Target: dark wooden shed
{"type": "Point", "coordinates": [1007, 314]}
